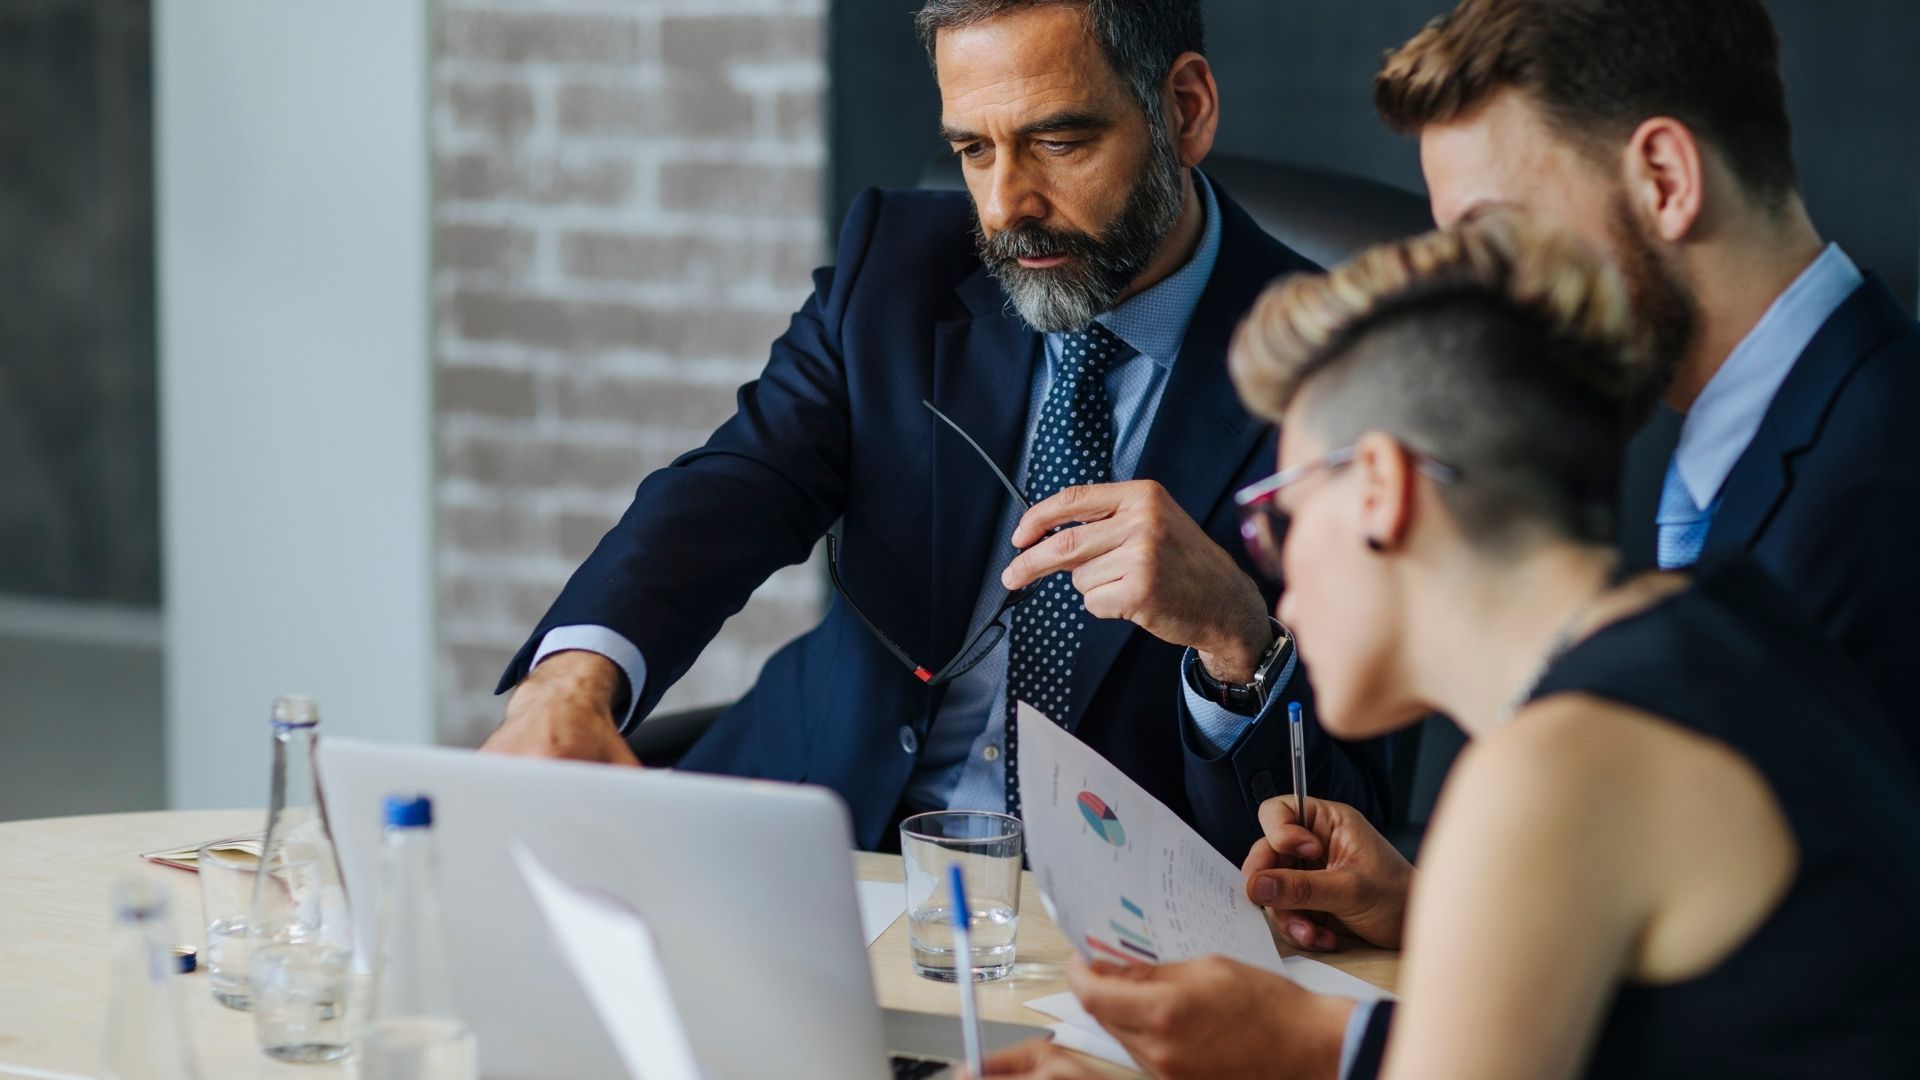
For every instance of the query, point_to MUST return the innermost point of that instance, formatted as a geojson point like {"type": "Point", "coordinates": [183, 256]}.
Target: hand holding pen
{"type": "Point", "coordinates": [1339, 867]}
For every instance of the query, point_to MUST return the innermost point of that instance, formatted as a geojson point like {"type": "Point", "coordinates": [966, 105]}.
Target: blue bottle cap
{"type": "Point", "coordinates": [409, 811]}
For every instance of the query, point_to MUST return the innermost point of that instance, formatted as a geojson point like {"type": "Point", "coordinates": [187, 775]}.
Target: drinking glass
{"type": "Point", "coordinates": [987, 847]}
{"type": "Point", "coordinates": [226, 894]}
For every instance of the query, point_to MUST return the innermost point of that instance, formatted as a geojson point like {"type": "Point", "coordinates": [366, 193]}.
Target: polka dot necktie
{"type": "Point", "coordinates": [1073, 445]}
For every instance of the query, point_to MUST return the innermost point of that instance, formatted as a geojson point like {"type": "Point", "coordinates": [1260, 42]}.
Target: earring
{"type": "Point", "coordinates": [1375, 545]}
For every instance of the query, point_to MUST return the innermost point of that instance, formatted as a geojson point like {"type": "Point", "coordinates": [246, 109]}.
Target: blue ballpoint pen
{"type": "Point", "coordinates": [963, 970]}
{"type": "Point", "coordinates": [1297, 736]}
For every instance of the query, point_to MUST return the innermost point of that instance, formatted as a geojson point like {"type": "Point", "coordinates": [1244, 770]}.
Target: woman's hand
{"type": "Point", "coordinates": [1213, 1017]}
{"type": "Point", "coordinates": [1340, 867]}
{"type": "Point", "coordinates": [1035, 1059]}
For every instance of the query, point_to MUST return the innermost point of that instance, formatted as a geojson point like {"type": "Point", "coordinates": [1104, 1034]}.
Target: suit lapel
{"type": "Point", "coordinates": [982, 378]}
{"type": "Point", "coordinates": [1201, 434]}
{"type": "Point", "coordinates": [1764, 474]}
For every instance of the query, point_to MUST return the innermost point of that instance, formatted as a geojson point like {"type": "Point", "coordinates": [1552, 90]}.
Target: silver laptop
{"type": "Point", "coordinates": [747, 885]}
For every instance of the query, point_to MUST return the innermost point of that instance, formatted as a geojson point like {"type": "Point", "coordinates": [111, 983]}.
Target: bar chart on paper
{"type": "Point", "coordinates": [1129, 937]}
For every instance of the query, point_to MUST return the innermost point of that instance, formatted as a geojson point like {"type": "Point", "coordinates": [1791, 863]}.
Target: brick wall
{"type": "Point", "coordinates": [626, 207]}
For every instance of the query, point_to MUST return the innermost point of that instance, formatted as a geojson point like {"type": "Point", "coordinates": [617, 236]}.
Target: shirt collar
{"type": "Point", "coordinates": [1727, 415]}
{"type": "Point", "coordinates": [1154, 321]}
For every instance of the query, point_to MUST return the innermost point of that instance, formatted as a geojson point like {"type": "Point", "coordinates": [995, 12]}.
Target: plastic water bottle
{"type": "Point", "coordinates": [146, 1036]}
{"type": "Point", "coordinates": [413, 1030]}
{"type": "Point", "coordinates": [300, 935]}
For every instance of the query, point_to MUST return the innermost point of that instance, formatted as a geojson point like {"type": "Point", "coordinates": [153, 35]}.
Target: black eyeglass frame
{"type": "Point", "coordinates": [1263, 524]}
{"type": "Point", "coordinates": [978, 644]}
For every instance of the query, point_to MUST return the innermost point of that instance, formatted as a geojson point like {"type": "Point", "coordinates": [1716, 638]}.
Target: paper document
{"type": "Point", "coordinates": [1078, 1030]}
{"type": "Point", "coordinates": [881, 902]}
{"type": "Point", "coordinates": [187, 858]}
{"type": "Point", "coordinates": [1128, 880]}
{"type": "Point", "coordinates": [1327, 979]}
{"type": "Point", "coordinates": [611, 949]}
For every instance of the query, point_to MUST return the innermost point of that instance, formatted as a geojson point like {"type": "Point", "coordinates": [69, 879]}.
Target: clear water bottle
{"type": "Point", "coordinates": [300, 935]}
{"type": "Point", "coordinates": [412, 1030]}
{"type": "Point", "coordinates": [146, 1036]}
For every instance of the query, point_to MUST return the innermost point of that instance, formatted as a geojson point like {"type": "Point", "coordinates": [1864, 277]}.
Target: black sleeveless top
{"type": "Point", "coordinates": [1829, 984]}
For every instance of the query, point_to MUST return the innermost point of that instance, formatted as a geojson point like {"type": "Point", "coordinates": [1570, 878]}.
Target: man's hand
{"type": "Point", "coordinates": [1364, 884]}
{"type": "Point", "coordinates": [1139, 557]}
{"type": "Point", "coordinates": [1213, 1017]}
{"type": "Point", "coordinates": [564, 709]}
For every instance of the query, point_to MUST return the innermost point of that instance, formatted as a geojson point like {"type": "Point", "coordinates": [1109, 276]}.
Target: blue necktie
{"type": "Point", "coordinates": [1073, 445]}
{"type": "Point", "coordinates": [1683, 523]}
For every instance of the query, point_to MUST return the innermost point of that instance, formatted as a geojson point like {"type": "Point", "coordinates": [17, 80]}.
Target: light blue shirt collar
{"type": "Point", "coordinates": [1727, 415]}
{"type": "Point", "coordinates": [1154, 321]}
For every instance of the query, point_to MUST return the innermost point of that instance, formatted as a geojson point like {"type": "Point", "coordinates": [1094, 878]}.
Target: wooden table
{"type": "Point", "coordinates": [56, 933]}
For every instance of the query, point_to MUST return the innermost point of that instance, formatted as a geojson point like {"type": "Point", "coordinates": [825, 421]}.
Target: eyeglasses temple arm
{"type": "Point", "coordinates": [833, 573]}
{"type": "Point", "coordinates": [991, 464]}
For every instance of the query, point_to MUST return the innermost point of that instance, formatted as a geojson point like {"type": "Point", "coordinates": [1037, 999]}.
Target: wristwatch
{"type": "Point", "coordinates": [1246, 699]}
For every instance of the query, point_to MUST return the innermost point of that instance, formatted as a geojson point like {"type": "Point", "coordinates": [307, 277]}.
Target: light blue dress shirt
{"type": "Point", "coordinates": [959, 766]}
{"type": "Point", "coordinates": [1726, 417]}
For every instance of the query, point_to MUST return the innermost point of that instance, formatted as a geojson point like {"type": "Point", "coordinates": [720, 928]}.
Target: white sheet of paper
{"type": "Point", "coordinates": [881, 902]}
{"type": "Point", "coordinates": [612, 950]}
{"type": "Point", "coordinates": [1077, 1030]}
{"type": "Point", "coordinates": [1327, 979]}
{"type": "Point", "coordinates": [1128, 880]}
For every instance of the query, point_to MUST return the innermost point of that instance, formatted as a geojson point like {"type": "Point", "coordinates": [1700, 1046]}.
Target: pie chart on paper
{"type": "Point", "coordinates": [1101, 817]}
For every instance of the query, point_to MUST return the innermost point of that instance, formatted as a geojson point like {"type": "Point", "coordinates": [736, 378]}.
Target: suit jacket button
{"type": "Point", "coordinates": [1263, 787]}
{"type": "Point", "coordinates": [908, 740]}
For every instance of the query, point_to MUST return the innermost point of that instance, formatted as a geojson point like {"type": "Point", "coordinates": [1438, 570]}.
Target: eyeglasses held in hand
{"type": "Point", "coordinates": [982, 641]}
{"type": "Point", "coordinates": [1263, 524]}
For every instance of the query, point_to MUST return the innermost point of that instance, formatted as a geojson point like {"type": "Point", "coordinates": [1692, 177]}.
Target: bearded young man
{"type": "Point", "coordinates": [1070, 313]}
{"type": "Point", "coordinates": [1658, 133]}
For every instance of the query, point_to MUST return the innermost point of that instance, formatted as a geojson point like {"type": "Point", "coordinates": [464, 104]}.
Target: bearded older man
{"type": "Point", "coordinates": [1069, 314]}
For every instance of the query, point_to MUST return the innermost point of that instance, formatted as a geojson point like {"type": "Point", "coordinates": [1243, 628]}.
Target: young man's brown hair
{"type": "Point", "coordinates": [1600, 67]}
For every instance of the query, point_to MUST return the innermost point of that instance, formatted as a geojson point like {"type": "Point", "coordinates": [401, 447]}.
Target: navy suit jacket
{"type": "Point", "coordinates": [1827, 496]}
{"type": "Point", "coordinates": [833, 431]}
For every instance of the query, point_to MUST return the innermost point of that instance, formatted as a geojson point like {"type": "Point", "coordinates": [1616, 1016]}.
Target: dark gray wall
{"type": "Point", "coordinates": [1296, 75]}
{"type": "Point", "coordinates": [80, 514]}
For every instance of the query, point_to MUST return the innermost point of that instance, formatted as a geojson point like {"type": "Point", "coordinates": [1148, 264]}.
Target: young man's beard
{"type": "Point", "coordinates": [1098, 269]}
{"type": "Point", "coordinates": [1663, 306]}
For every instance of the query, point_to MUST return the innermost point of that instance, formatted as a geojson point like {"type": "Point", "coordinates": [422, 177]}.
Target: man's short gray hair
{"type": "Point", "coordinates": [1141, 38]}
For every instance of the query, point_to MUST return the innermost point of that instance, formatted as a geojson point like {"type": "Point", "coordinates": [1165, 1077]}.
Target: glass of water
{"type": "Point", "coordinates": [227, 871]}
{"type": "Point", "coordinates": [301, 958]}
{"type": "Point", "coordinates": [987, 847]}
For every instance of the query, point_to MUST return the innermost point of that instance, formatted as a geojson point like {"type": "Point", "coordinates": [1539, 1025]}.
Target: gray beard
{"type": "Point", "coordinates": [1068, 297]}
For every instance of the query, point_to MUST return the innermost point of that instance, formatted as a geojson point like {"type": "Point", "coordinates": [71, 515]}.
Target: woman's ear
{"type": "Point", "coordinates": [1386, 495]}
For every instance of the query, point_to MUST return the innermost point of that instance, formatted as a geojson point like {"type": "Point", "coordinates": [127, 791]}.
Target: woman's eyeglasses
{"type": "Point", "coordinates": [1263, 524]}
{"type": "Point", "coordinates": [979, 643]}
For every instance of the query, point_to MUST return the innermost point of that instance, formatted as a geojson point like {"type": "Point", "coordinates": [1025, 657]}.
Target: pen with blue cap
{"type": "Point", "coordinates": [963, 970]}
{"type": "Point", "coordinates": [1296, 734]}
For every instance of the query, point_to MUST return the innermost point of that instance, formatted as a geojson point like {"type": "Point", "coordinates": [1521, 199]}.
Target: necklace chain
{"type": "Point", "coordinates": [1563, 642]}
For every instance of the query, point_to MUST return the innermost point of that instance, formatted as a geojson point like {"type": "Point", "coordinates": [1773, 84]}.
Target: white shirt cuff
{"type": "Point", "coordinates": [1356, 1030]}
{"type": "Point", "coordinates": [604, 642]}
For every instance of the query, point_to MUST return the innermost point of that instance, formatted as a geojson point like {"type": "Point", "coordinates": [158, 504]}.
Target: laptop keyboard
{"type": "Point", "coordinates": [912, 1068]}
